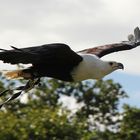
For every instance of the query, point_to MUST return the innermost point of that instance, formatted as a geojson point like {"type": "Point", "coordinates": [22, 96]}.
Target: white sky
{"type": "Point", "coordinates": [79, 23]}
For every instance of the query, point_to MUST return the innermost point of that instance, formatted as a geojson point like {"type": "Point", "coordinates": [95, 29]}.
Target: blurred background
{"type": "Point", "coordinates": [80, 24]}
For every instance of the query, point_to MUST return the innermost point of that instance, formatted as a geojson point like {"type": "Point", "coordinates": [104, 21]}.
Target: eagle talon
{"type": "Point", "coordinates": [30, 84]}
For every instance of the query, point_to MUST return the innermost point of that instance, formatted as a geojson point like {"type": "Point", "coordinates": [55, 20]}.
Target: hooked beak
{"type": "Point", "coordinates": [120, 66]}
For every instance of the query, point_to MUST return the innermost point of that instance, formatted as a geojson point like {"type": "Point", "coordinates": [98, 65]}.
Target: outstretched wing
{"type": "Point", "coordinates": [16, 56]}
{"type": "Point", "coordinates": [46, 54]}
{"type": "Point", "coordinates": [100, 51]}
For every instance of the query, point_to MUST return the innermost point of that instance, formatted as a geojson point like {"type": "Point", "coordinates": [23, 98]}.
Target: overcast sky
{"type": "Point", "coordinates": [79, 23]}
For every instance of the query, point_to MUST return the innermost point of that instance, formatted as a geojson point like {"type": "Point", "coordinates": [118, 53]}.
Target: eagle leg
{"type": "Point", "coordinates": [30, 84]}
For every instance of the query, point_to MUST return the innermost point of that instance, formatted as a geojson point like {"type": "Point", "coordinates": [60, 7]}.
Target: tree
{"type": "Point", "coordinates": [100, 100]}
{"type": "Point", "coordinates": [44, 117]}
{"type": "Point", "coordinates": [130, 125]}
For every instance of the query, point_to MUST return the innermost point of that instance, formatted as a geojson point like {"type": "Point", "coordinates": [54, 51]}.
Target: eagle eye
{"type": "Point", "coordinates": [110, 63]}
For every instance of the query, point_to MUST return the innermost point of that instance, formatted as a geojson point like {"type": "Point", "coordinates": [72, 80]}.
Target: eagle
{"type": "Point", "coordinates": [59, 61]}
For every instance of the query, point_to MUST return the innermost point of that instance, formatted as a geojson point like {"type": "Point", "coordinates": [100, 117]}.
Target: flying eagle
{"type": "Point", "coordinates": [59, 61]}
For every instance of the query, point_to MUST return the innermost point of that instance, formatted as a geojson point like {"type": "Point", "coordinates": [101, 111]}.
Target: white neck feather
{"type": "Point", "coordinates": [90, 68]}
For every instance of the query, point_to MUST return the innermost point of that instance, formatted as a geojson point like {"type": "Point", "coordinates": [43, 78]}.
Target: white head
{"type": "Point", "coordinates": [110, 66]}
{"type": "Point", "coordinates": [94, 68]}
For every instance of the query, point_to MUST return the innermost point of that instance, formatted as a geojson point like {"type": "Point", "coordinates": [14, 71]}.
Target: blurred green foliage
{"type": "Point", "coordinates": [43, 117]}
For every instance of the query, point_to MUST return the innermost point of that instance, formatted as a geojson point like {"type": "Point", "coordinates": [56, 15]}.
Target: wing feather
{"type": "Point", "coordinates": [46, 54]}
{"type": "Point", "coordinates": [100, 51]}
{"type": "Point", "coordinates": [15, 57]}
